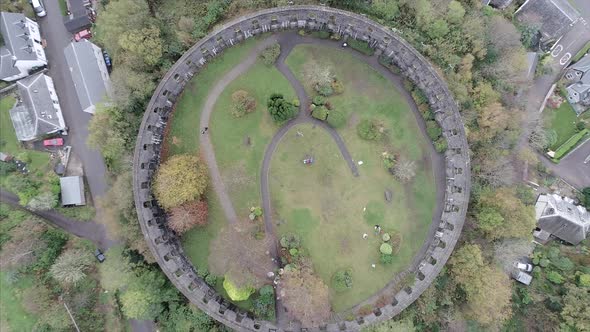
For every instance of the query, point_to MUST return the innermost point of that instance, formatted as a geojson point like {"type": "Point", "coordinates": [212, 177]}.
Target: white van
{"type": "Point", "coordinates": [38, 7]}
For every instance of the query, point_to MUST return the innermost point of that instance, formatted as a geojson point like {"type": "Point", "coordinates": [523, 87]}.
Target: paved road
{"type": "Point", "coordinates": [567, 47]}
{"type": "Point", "coordinates": [89, 230]}
{"type": "Point", "coordinates": [584, 7]}
{"type": "Point", "coordinates": [57, 37]}
{"type": "Point", "coordinates": [572, 168]}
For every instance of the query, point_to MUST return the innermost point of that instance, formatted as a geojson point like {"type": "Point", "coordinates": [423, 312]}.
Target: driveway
{"type": "Point", "coordinates": [572, 168]}
{"type": "Point", "coordinates": [57, 37]}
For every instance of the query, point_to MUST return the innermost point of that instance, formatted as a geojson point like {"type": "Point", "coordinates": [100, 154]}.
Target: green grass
{"type": "Point", "coordinates": [571, 143]}
{"type": "Point", "coordinates": [581, 52]}
{"type": "Point", "coordinates": [12, 312]}
{"type": "Point", "coordinates": [9, 143]}
{"type": "Point", "coordinates": [562, 120]}
{"type": "Point", "coordinates": [239, 162]}
{"type": "Point", "coordinates": [63, 7]}
{"type": "Point", "coordinates": [334, 198]}
{"type": "Point", "coordinates": [83, 213]}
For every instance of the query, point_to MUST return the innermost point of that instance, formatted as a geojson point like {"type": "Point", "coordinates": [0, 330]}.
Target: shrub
{"type": "Point", "coordinates": [441, 145]}
{"type": "Point", "coordinates": [264, 305]}
{"type": "Point", "coordinates": [235, 293]}
{"type": "Point", "coordinates": [211, 280]}
{"type": "Point", "coordinates": [280, 110]}
{"type": "Point", "coordinates": [318, 100]}
{"type": "Point", "coordinates": [243, 103]}
{"type": "Point", "coordinates": [386, 249]}
{"type": "Point", "coordinates": [584, 280]}
{"type": "Point", "coordinates": [433, 130]}
{"type": "Point", "coordinates": [296, 102]}
{"type": "Point", "coordinates": [293, 252]}
{"type": "Point", "coordinates": [320, 113]}
{"type": "Point", "coordinates": [386, 237]}
{"type": "Point", "coordinates": [555, 277]}
{"type": "Point", "coordinates": [368, 130]}
{"type": "Point", "coordinates": [6, 168]}
{"type": "Point", "coordinates": [336, 119]}
{"type": "Point", "coordinates": [324, 89]}
{"type": "Point", "coordinates": [386, 259]}
{"type": "Point", "coordinates": [289, 241]}
{"type": "Point", "coordinates": [361, 46]}
{"type": "Point", "coordinates": [270, 54]}
{"type": "Point", "coordinates": [342, 280]}
{"type": "Point", "coordinates": [404, 170]}
{"type": "Point", "coordinates": [580, 126]}
{"type": "Point", "coordinates": [337, 87]}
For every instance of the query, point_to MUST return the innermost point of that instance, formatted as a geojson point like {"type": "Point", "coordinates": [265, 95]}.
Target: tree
{"type": "Point", "coordinates": [404, 170]}
{"type": "Point", "coordinates": [455, 12]}
{"type": "Point", "coordinates": [130, 86]}
{"type": "Point", "coordinates": [181, 317]}
{"type": "Point", "coordinates": [541, 138]}
{"type": "Point", "coordinates": [70, 267]}
{"type": "Point", "coordinates": [142, 47]}
{"type": "Point", "coordinates": [320, 113]}
{"type": "Point", "coordinates": [237, 293]}
{"type": "Point", "coordinates": [270, 54]}
{"type": "Point", "coordinates": [280, 110]}
{"type": "Point", "coordinates": [575, 313]}
{"type": "Point", "coordinates": [188, 215]}
{"type": "Point", "coordinates": [146, 293]}
{"type": "Point", "coordinates": [24, 245]}
{"type": "Point", "coordinates": [239, 256]}
{"type": "Point", "coordinates": [318, 74]}
{"type": "Point", "coordinates": [438, 29]}
{"type": "Point", "coordinates": [43, 202]}
{"type": "Point", "coordinates": [487, 288]}
{"type": "Point", "coordinates": [336, 119]}
{"type": "Point", "coordinates": [517, 220]}
{"type": "Point", "coordinates": [243, 103]}
{"type": "Point", "coordinates": [387, 9]}
{"type": "Point", "coordinates": [369, 130]}
{"type": "Point", "coordinates": [306, 297]}
{"type": "Point", "coordinates": [180, 179]}
{"type": "Point", "coordinates": [115, 271]}
{"type": "Point", "coordinates": [586, 197]}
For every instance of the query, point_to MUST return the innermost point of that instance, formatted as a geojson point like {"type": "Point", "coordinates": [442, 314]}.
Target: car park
{"type": "Point", "coordinates": [84, 34]}
{"type": "Point", "coordinates": [53, 142]}
{"type": "Point", "coordinates": [523, 266]}
{"type": "Point", "coordinates": [38, 8]}
{"type": "Point", "coordinates": [99, 256]}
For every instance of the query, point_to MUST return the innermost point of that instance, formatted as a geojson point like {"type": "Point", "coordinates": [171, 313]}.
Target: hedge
{"type": "Point", "coordinates": [570, 144]}
{"type": "Point", "coordinates": [361, 46]}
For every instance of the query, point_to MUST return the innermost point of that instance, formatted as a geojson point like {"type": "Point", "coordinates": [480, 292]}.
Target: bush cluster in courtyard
{"type": "Point", "coordinates": [270, 54]}
{"type": "Point", "coordinates": [370, 129]}
{"type": "Point", "coordinates": [342, 280]}
{"type": "Point", "coordinates": [280, 109]}
{"type": "Point", "coordinates": [264, 304]}
{"type": "Point", "coordinates": [242, 103]}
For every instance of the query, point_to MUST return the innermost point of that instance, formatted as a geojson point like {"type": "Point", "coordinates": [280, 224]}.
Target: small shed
{"type": "Point", "coordinates": [72, 191]}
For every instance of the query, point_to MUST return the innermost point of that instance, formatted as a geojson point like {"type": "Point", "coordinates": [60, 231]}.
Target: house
{"type": "Point", "coordinates": [561, 218]}
{"type": "Point", "coordinates": [79, 18]}
{"type": "Point", "coordinates": [72, 191]}
{"type": "Point", "coordinates": [21, 50]}
{"type": "Point", "coordinates": [578, 91]}
{"type": "Point", "coordinates": [553, 18]}
{"type": "Point", "coordinates": [37, 113]}
{"type": "Point", "coordinates": [89, 73]}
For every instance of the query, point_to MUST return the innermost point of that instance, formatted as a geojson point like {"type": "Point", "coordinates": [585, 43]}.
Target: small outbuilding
{"type": "Point", "coordinates": [72, 191]}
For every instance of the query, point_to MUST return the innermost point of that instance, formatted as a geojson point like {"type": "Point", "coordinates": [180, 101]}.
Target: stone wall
{"type": "Point", "coordinates": [166, 246]}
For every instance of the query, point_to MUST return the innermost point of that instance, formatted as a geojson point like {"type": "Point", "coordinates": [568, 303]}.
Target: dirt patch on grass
{"type": "Point", "coordinates": [237, 176]}
{"type": "Point", "coordinates": [353, 120]}
{"type": "Point", "coordinates": [176, 140]}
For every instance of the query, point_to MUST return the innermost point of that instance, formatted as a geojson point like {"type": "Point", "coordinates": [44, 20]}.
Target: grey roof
{"type": "Point", "coordinates": [14, 31]}
{"type": "Point", "coordinates": [583, 64]}
{"type": "Point", "coordinates": [35, 115]}
{"type": "Point", "coordinates": [78, 23]}
{"type": "Point", "coordinates": [560, 217]}
{"type": "Point", "coordinates": [89, 73]}
{"type": "Point", "coordinates": [72, 190]}
{"type": "Point", "coordinates": [501, 4]}
{"type": "Point", "coordinates": [7, 68]}
{"type": "Point", "coordinates": [553, 17]}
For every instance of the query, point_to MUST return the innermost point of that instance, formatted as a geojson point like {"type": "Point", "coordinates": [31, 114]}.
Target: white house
{"type": "Point", "coordinates": [38, 112]}
{"type": "Point", "coordinates": [89, 73]}
{"type": "Point", "coordinates": [560, 217]}
{"type": "Point", "coordinates": [21, 51]}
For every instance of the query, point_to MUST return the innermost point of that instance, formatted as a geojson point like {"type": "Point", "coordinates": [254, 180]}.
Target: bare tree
{"type": "Point", "coordinates": [236, 253]}
{"type": "Point", "coordinates": [306, 297]}
{"type": "Point", "coordinates": [70, 267]}
{"type": "Point", "coordinates": [404, 170]}
{"type": "Point", "coordinates": [317, 73]}
{"type": "Point", "coordinates": [24, 244]}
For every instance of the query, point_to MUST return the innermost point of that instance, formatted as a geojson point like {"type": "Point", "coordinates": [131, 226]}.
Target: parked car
{"type": "Point", "coordinates": [523, 267]}
{"type": "Point", "coordinates": [38, 8]}
{"type": "Point", "coordinates": [84, 34]}
{"type": "Point", "coordinates": [99, 255]}
{"type": "Point", "coordinates": [523, 278]}
{"type": "Point", "coordinates": [107, 59]}
{"type": "Point", "coordinates": [53, 142]}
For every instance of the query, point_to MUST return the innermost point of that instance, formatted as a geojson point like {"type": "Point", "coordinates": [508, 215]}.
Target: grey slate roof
{"type": "Point", "coordinates": [553, 17]}
{"type": "Point", "coordinates": [583, 64]}
{"type": "Point", "coordinates": [579, 90]}
{"type": "Point", "coordinates": [7, 68]}
{"type": "Point", "coordinates": [78, 19]}
{"type": "Point", "coordinates": [35, 115]}
{"type": "Point", "coordinates": [89, 73]}
{"type": "Point", "coordinates": [560, 217]}
{"type": "Point", "coordinates": [501, 4]}
{"type": "Point", "coordinates": [12, 26]}
{"type": "Point", "coordinates": [72, 190]}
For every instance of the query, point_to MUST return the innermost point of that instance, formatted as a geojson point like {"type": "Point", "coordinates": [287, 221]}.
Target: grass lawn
{"type": "Point", "coordinates": [238, 161]}
{"type": "Point", "coordinates": [63, 7]}
{"type": "Point", "coordinates": [562, 120]}
{"type": "Point", "coordinates": [12, 312]}
{"type": "Point", "coordinates": [324, 203]}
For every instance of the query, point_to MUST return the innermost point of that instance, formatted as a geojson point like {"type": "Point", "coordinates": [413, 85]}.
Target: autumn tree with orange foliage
{"type": "Point", "coordinates": [188, 215]}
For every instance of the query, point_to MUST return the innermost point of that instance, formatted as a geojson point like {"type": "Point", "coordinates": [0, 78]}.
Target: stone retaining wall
{"type": "Point", "coordinates": [166, 245]}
